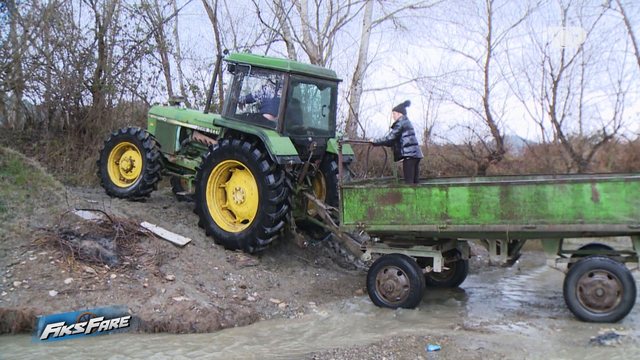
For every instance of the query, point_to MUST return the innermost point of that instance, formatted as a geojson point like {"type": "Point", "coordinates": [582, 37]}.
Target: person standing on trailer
{"type": "Point", "coordinates": [402, 138]}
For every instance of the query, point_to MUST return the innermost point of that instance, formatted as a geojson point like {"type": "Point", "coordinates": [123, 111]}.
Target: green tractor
{"type": "Point", "coordinates": [267, 163]}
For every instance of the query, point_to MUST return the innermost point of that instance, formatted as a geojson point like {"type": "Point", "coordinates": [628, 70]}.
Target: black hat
{"type": "Point", "coordinates": [402, 108]}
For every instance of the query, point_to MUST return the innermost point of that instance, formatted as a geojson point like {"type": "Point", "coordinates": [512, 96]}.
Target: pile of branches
{"type": "Point", "coordinates": [111, 241]}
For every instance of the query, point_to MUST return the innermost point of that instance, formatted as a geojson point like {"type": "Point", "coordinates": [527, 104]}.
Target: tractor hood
{"type": "Point", "coordinates": [279, 147]}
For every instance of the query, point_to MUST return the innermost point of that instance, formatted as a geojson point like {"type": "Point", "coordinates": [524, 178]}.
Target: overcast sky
{"type": "Point", "coordinates": [417, 50]}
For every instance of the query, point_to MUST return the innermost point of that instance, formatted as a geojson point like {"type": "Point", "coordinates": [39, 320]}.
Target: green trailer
{"type": "Point", "coordinates": [422, 232]}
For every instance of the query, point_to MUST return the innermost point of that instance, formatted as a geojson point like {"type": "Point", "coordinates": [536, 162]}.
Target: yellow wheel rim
{"type": "Point", "coordinates": [319, 185]}
{"type": "Point", "coordinates": [232, 196]}
{"type": "Point", "coordinates": [124, 164]}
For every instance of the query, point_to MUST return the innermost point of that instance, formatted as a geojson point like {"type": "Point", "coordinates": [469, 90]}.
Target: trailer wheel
{"type": "Point", "coordinates": [599, 289]}
{"type": "Point", "coordinates": [451, 278]}
{"type": "Point", "coordinates": [394, 281]}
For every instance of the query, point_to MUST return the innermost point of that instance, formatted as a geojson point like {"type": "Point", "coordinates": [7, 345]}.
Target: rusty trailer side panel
{"type": "Point", "coordinates": [523, 207]}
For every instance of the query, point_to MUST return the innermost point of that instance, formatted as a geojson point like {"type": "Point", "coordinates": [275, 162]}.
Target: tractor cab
{"type": "Point", "coordinates": [296, 100]}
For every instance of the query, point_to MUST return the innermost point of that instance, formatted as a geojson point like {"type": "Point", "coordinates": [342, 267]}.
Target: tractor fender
{"type": "Point", "coordinates": [347, 151]}
{"type": "Point", "coordinates": [280, 148]}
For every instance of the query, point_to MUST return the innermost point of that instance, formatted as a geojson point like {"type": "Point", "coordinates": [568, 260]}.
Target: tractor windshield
{"type": "Point", "coordinates": [256, 95]}
{"type": "Point", "coordinates": [311, 107]}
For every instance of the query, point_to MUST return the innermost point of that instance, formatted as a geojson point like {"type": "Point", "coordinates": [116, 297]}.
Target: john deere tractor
{"type": "Point", "coordinates": [267, 163]}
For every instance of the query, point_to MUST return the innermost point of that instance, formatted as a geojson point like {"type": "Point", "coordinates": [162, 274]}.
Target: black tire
{"type": "Point", "coordinates": [457, 273]}
{"type": "Point", "coordinates": [329, 169]}
{"type": "Point", "coordinates": [134, 181]}
{"type": "Point", "coordinates": [395, 280]}
{"type": "Point", "coordinates": [178, 188]}
{"type": "Point", "coordinates": [329, 175]}
{"type": "Point", "coordinates": [599, 289]}
{"type": "Point", "coordinates": [589, 246]}
{"type": "Point", "coordinates": [267, 179]}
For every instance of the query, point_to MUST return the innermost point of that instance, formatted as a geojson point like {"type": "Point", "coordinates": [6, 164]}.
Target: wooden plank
{"type": "Point", "coordinates": [166, 234]}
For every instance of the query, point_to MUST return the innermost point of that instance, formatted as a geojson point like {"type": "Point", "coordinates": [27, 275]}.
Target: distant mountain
{"type": "Point", "coordinates": [515, 143]}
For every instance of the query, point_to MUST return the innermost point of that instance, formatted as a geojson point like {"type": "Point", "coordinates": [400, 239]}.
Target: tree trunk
{"type": "Point", "coordinates": [632, 34]}
{"type": "Point", "coordinates": [161, 42]}
{"type": "Point", "coordinates": [16, 82]}
{"type": "Point", "coordinates": [178, 57]}
{"type": "Point", "coordinates": [97, 85]}
{"type": "Point", "coordinates": [358, 76]}
{"type": "Point", "coordinates": [286, 30]}
{"type": "Point", "coordinates": [310, 47]}
{"type": "Point", "coordinates": [48, 61]}
{"type": "Point", "coordinates": [212, 13]}
{"type": "Point", "coordinates": [496, 154]}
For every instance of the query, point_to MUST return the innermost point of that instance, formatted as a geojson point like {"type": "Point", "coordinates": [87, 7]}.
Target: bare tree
{"type": "Point", "coordinates": [355, 90]}
{"type": "Point", "coordinates": [474, 88]}
{"type": "Point", "coordinates": [212, 13]}
{"type": "Point", "coordinates": [311, 26]}
{"type": "Point", "coordinates": [563, 80]}
{"type": "Point", "coordinates": [368, 24]}
{"type": "Point", "coordinates": [14, 70]}
{"type": "Point", "coordinates": [104, 14]}
{"type": "Point", "coordinates": [155, 15]}
{"type": "Point", "coordinates": [630, 31]}
{"type": "Point", "coordinates": [178, 53]}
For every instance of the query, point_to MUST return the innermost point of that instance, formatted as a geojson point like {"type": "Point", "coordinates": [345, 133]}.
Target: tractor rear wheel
{"type": "Point", "coordinates": [325, 185]}
{"type": "Point", "coordinates": [241, 196]}
{"type": "Point", "coordinates": [129, 164]}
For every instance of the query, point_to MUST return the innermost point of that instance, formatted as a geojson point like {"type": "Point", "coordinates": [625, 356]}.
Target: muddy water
{"type": "Point", "coordinates": [516, 312]}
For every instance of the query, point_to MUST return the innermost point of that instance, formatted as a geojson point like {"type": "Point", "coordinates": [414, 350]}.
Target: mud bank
{"type": "Point", "coordinates": [198, 288]}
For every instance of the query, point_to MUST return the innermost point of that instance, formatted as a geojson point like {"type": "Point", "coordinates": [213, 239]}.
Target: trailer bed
{"type": "Point", "coordinates": [505, 207]}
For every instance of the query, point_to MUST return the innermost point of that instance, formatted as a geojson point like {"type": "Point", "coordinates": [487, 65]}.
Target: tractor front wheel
{"type": "Point", "coordinates": [241, 196]}
{"type": "Point", "coordinates": [129, 164]}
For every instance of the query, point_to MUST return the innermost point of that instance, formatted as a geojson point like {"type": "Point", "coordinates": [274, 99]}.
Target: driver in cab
{"type": "Point", "coordinates": [268, 99]}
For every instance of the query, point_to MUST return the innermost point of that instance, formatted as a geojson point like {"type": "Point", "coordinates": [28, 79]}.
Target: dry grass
{"type": "Point", "coordinates": [70, 153]}
{"type": "Point", "coordinates": [95, 242]}
{"type": "Point", "coordinates": [450, 160]}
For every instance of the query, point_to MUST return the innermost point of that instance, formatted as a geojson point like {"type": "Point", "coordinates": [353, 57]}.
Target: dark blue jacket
{"type": "Point", "coordinates": [402, 137]}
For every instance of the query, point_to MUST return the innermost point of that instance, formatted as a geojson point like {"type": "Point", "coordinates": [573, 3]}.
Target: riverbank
{"type": "Point", "coordinates": [197, 288]}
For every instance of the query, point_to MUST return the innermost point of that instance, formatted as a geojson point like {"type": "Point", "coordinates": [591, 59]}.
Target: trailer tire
{"type": "Point", "coordinates": [599, 289]}
{"type": "Point", "coordinates": [395, 280]}
{"type": "Point", "coordinates": [457, 273]}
